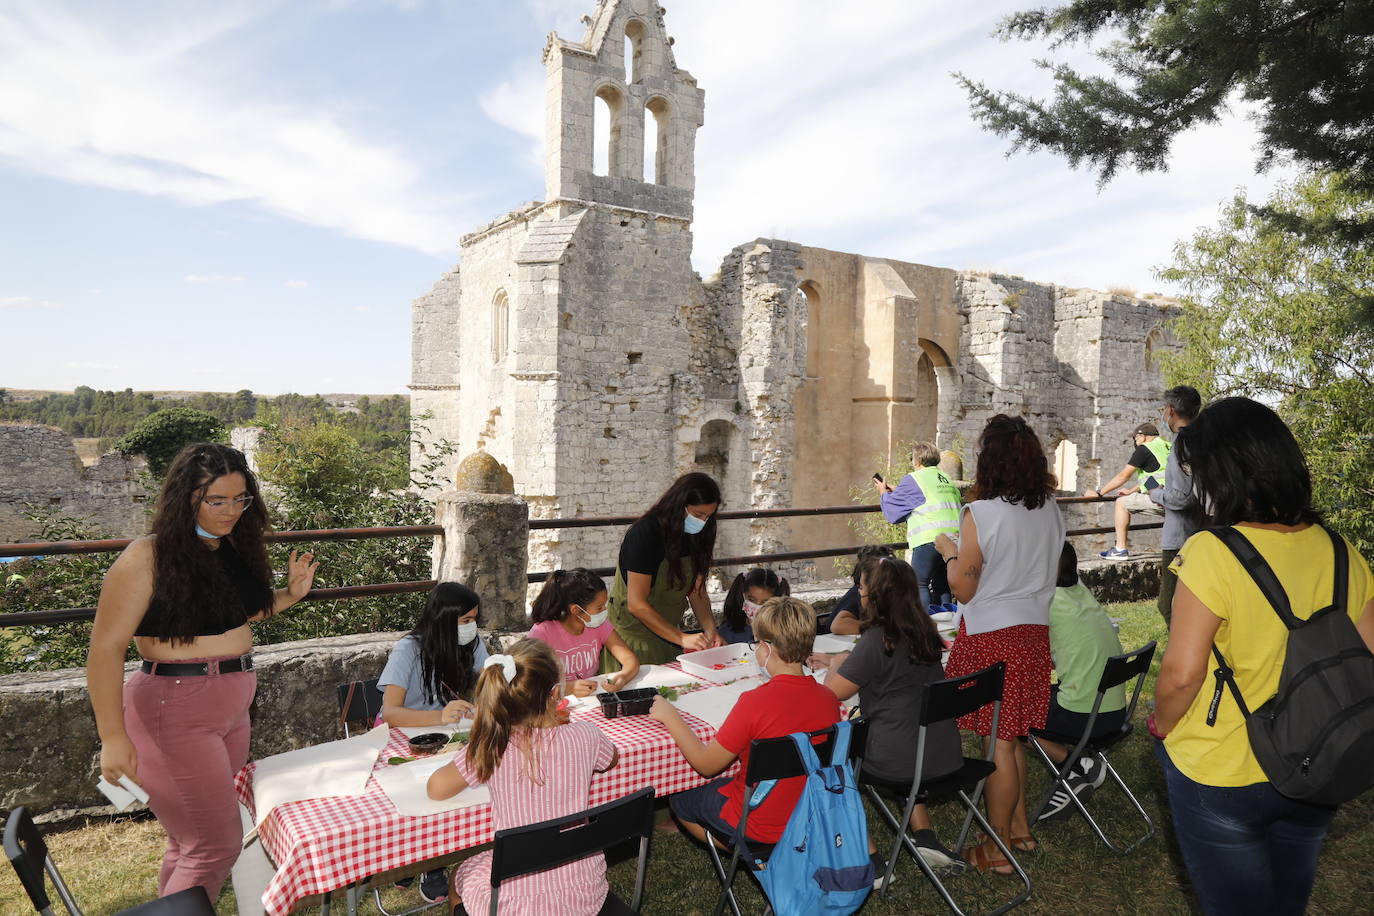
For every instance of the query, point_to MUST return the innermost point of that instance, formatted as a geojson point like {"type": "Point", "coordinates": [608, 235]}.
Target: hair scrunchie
{"type": "Point", "coordinates": [507, 664]}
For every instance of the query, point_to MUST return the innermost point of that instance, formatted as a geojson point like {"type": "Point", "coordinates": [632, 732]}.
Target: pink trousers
{"type": "Point", "coordinates": [191, 736]}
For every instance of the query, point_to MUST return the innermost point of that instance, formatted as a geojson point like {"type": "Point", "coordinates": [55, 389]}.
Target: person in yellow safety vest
{"type": "Point", "coordinates": [929, 503]}
{"type": "Point", "coordinates": [1144, 471]}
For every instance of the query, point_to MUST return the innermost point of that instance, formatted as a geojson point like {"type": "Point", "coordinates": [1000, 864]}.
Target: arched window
{"type": "Point", "coordinates": [656, 141]}
{"type": "Point", "coordinates": [606, 154]}
{"type": "Point", "coordinates": [807, 296]}
{"type": "Point", "coordinates": [1154, 341]}
{"type": "Point", "coordinates": [634, 35]}
{"type": "Point", "coordinates": [500, 326]}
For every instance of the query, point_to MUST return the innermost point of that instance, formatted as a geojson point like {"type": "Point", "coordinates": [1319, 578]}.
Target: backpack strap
{"type": "Point", "coordinates": [1260, 572]}
{"type": "Point", "coordinates": [1340, 588]}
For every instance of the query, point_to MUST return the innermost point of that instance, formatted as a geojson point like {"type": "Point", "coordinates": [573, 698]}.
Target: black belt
{"type": "Point", "coordinates": [198, 669]}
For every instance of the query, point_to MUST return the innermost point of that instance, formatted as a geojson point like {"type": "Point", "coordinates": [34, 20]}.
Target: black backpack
{"type": "Point", "coordinates": [1314, 738]}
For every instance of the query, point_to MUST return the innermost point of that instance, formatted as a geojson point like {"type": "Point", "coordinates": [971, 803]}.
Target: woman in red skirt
{"type": "Point", "coordinates": [1002, 571]}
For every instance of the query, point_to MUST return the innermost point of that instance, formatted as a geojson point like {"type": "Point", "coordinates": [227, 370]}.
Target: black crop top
{"type": "Point", "coordinates": [228, 573]}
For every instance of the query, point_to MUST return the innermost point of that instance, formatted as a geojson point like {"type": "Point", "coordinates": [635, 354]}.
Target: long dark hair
{"type": "Point", "coordinates": [1246, 466]}
{"type": "Point", "coordinates": [445, 665]}
{"type": "Point", "coordinates": [894, 604]}
{"type": "Point", "coordinates": [1012, 464]}
{"type": "Point", "coordinates": [694, 489]}
{"type": "Point", "coordinates": [503, 708]}
{"type": "Point", "coordinates": [562, 590]}
{"type": "Point", "coordinates": [733, 609]}
{"type": "Point", "coordinates": [189, 583]}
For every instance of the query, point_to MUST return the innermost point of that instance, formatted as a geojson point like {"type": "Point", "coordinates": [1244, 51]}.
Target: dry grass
{"type": "Point", "coordinates": [113, 864]}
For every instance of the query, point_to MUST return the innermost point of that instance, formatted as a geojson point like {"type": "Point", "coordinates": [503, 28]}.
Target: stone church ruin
{"type": "Point", "coordinates": [576, 344]}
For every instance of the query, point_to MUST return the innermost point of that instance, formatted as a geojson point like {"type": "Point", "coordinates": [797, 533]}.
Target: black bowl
{"type": "Point", "coordinates": [428, 743]}
{"type": "Point", "coordinates": [627, 702]}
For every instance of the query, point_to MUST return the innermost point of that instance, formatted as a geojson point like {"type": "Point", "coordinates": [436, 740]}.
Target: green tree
{"type": "Point", "coordinates": [1174, 64]}
{"type": "Point", "coordinates": [1269, 316]}
{"type": "Point", "coordinates": [159, 436]}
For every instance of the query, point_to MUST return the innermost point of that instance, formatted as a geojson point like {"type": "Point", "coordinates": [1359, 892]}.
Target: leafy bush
{"type": "Point", "coordinates": [159, 436]}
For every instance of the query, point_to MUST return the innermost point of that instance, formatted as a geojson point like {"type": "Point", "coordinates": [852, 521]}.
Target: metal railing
{"type": "Point", "coordinates": [60, 548]}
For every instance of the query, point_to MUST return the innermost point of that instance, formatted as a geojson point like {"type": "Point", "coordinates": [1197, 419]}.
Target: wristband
{"type": "Point", "coordinates": [1154, 732]}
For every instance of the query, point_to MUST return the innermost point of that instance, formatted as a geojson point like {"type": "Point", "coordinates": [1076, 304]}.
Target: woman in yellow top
{"type": "Point", "coordinates": [1248, 848]}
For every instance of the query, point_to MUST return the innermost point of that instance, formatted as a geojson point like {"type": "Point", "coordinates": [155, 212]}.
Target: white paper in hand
{"type": "Point", "coordinates": [124, 794]}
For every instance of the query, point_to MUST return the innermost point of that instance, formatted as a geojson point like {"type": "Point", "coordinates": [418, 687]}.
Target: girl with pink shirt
{"type": "Point", "coordinates": [548, 775]}
{"type": "Point", "coordinates": [570, 615]}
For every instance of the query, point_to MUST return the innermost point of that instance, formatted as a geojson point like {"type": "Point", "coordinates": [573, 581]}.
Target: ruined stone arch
{"type": "Point", "coordinates": [1065, 453]}
{"type": "Point", "coordinates": [500, 326]}
{"type": "Point", "coordinates": [937, 393]}
{"type": "Point", "coordinates": [808, 293]}
{"type": "Point", "coordinates": [608, 113]}
{"type": "Point", "coordinates": [656, 159]}
{"type": "Point", "coordinates": [634, 51]}
{"type": "Point", "coordinates": [1156, 340]}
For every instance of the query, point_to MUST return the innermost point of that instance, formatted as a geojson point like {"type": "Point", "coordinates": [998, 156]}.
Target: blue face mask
{"type": "Point", "coordinates": [205, 534]}
{"type": "Point", "coordinates": [691, 524]}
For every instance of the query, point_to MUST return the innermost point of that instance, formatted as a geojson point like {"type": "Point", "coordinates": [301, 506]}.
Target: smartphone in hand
{"type": "Point", "coordinates": [878, 477]}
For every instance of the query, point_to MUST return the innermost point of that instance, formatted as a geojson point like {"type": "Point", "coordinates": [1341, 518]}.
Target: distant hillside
{"type": "Point", "coordinates": [378, 421]}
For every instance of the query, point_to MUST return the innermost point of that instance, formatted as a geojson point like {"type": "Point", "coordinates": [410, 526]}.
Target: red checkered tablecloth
{"type": "Point", "coordinates": [324, 844]}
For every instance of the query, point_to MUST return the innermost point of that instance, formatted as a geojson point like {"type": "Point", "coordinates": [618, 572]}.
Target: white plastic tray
{"type": "Point", "coordinates": [737, 659]}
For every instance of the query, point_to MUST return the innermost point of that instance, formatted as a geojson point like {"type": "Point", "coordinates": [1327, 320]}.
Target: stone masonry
{"type": "Point", "coordinates": [578, 347]}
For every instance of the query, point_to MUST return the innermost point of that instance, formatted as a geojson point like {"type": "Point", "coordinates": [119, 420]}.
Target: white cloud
{"type": "Point", "coordinates": [296, 284]}
{"type": "Point", "coordinates": [362, 308]}
{"type": "Point", "coordinates": [147, 107]}
{"type": "Point", "coordinates": [27, 302]}
{"type": "Point", "coordinates": [96, 367]}
{"type": "Point", "coordinates": [211, 279]}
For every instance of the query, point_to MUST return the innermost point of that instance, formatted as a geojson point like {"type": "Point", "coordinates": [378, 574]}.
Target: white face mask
{"type": "Point", "coordinates": [692, 525]}
{"type": "Point", "coordinates": [763, 668]}
{"type": "Point", "coordinates": [750, 608]}
{"type": "Point", "coordinates": [467, 632]}
{"type": "Point", "coordinates": [595, 620]}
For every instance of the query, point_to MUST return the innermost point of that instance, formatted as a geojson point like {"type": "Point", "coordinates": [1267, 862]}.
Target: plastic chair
{"type": "Point", "coordinates": [773, 758]}
{"type": "Point", "coordinates": [520, 850]}
{"type": "Point", "coordinates": [941, 701]}
{"type": "Point", "coordinates": [361, 701]}
{"type": "Point", "coordinates": [1118, 670]}
{"type": "Point", "coordinates": [28, 853]}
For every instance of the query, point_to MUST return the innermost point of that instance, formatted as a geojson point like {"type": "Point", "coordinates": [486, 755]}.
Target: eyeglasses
{"type": "Point", "coordinates": [237, 504]}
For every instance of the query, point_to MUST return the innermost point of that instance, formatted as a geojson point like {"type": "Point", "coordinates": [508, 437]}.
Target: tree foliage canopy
{"type": "Point", "coordinates": [1270, 317]}
{"type": "Point", "coordinates": [1308, 66]}
{"type": "Point", "coordinates": [159, 436]}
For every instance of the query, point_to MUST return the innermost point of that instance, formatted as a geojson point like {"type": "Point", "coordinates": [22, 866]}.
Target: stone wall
{"type": "Point", "coordinates": [39, 469]}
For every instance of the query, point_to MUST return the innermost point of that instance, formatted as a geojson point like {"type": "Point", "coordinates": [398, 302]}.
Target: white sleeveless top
{"type": "Point", "coordinates": [1021, 550]}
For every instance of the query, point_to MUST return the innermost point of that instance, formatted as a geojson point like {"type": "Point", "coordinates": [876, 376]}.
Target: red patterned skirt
{"type": "Point", "coordinates": [1026, 691]}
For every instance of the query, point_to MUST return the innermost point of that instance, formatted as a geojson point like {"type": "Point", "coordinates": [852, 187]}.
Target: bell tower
{"type": "Point", "coordinates": [623, 71]}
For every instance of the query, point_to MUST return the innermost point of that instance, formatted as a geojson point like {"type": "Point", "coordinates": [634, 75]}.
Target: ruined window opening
{"type": "Point", "coordinates": [500, 326]}
{"type": "Point", "coordinates": [1066, 465]}
{"type": "Point", "coordinates": [713, 449]}
{"type": "Point", "coordinates": [634, 48]}
{"type": "Point", "coordinates": [656, 141]}
{"type": "Point", "coordinates": [1153, 341]}
{"type": "Point", "coordinates": [806, 293]}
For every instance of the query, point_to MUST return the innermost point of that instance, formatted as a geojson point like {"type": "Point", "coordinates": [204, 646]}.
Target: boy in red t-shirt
{"type": "Point", "coordinates": [788, 702]}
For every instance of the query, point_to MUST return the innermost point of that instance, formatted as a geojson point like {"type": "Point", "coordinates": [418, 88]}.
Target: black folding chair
{"type": "Point", "coordinates": [773, 758]}
{"type": "Point", "coordinates": [360, 702]}
{"type": "Point", "coordinates": [28, 853]}
{"type": "Point", "coordinates": [521, 850]}
{"type": "Point", "coordinates": [1118, 670]}
{"type": "Point", "coordinates": [941, 701]}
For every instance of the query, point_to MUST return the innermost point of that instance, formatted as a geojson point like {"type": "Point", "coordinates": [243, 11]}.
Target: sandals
{"type": "Point", "coordinates": [1025, 843]}
{"type": "Point", "coordinates": [988, 858]}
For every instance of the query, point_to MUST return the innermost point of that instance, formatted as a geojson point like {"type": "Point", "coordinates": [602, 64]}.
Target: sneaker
{"type": "Point", "coordinates": [879, 869]}
{"type": "Point", "coordinates": [434, 886]}
{"type": "Point", "coordinates": [1115, 553]}
{"type": "Point", "coordinates": [1094, 771]}
{"type": "Point", "coordinates": [1080, 783]}
{"type": "Point", "coordinates": [940, 859]}
{"type": "Point", "coordinates": [404, 883]}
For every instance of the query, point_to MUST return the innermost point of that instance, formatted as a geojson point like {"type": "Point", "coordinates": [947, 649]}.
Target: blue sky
{"type": "Point", "coordinates": [222, 195]}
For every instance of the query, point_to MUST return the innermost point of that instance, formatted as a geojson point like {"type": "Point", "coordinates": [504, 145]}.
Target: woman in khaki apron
{"type": "Point", "coordinates": [661, 569]}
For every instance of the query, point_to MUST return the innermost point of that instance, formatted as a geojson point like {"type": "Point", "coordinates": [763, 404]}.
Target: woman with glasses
{"type": "Point", "coordinates": [185, 595]}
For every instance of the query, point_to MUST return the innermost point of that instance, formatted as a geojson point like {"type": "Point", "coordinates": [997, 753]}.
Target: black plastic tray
{"type": "Point", "coordinates": [627, 702]}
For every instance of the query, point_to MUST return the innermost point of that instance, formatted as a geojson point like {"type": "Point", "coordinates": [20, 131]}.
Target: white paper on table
{"type": "Point", "coordinates": [713, 704]}
{"type": "Point", "coordinates": [334, 768]}
{"type": "Point", "coordinates": [831, 643]}
{"type": "Point", "coordinates": [405, 784]}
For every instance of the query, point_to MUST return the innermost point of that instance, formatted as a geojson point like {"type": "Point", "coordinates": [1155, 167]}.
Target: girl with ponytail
{"type": "Point", "coordinates": [535, 770]}
{"type": "Point", "coordinates": [746, 595]}
{"type": "Point", "coordinates": [570, 615]}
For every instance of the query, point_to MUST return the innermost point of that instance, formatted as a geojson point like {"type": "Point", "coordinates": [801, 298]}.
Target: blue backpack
{"type": "Point", "coordinates": [820, 866]}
